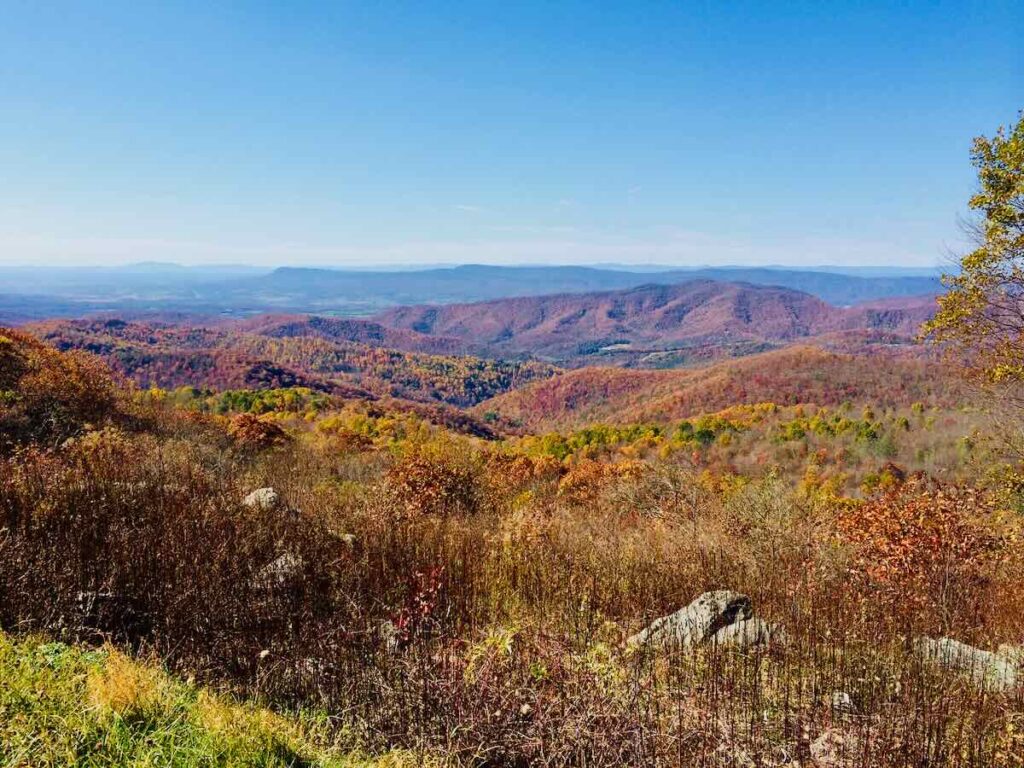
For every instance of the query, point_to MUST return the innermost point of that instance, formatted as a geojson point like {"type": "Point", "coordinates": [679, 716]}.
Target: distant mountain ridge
{"type": "Point", "coordinates": [480, 283]}
{"type": "Point", "coordinates": [572, 327]}
{"type": "Point", "coordinates": [41, 292]}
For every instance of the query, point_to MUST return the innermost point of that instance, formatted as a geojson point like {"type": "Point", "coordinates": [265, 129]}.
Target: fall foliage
{"type": "Point", "coordinates": [980, 315]}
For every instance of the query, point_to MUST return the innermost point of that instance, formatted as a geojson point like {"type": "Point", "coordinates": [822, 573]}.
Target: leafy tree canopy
{"type": "Point", "coordinates": [982, 314]}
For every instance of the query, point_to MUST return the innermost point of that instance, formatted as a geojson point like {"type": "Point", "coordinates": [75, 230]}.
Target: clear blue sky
{"type": "Point", "coordinates": [360, 133]}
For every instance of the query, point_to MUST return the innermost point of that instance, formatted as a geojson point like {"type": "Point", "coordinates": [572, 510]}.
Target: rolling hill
{"type": "Point", "coordinates": [274, 352]}
{"type": "Point", "coordinates": [349, 329]}
{"type": "Point", "coordinates": [796, 375]}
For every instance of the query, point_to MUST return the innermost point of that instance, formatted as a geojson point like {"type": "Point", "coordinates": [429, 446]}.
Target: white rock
{"type": "Point", "coordinates": [986, 669]}
{"type": "Point", "coordinates": [262, 498]}
{"type": "Point", "coordinates": [842, 702]}
{"type": "Point", "coordinates": [1012, 653]}
{"type": "Point", "coordinates": [279, 570]}
{"type": "Point", "coordinates": [696, 622]}
{"type": "Point", "coordinates": [748, 633]}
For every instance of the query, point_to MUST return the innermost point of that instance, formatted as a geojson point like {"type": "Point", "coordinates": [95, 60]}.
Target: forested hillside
{"type": "Point", "coordinates": [639, 325]}
{"type": "Point", "coordinates": [789, 376]}
{"type": "Point", "coordinates": [274, 352]}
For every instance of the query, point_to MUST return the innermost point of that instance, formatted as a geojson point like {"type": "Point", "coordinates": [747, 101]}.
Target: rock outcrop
{"type": "Point", "coordinates": [748, 633]}
{"type": "Point", "coordinates": [280, 570]}
{"type": "Point", "coordinates": [695, 623]}
{"type": "Point", "coordinates": [997, 671]}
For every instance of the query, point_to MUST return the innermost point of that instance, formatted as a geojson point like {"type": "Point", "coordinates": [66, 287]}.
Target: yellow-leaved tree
{"type": "Point", "coordinates": [982, 314]}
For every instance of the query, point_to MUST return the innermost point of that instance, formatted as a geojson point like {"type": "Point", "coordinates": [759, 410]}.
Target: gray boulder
{"type": "Point", "coordinates": [1012, 653]}
{"type": "Point", "coordinates": [696, 622]}
{"type": "Point", "coordinates": [262, 498]}
{"type": "Point", "coordinates": [986, 669]}
{"type": "Point", "coordinates": [280, 570]}
{"type": "Point", "coordinates": [748, 633]}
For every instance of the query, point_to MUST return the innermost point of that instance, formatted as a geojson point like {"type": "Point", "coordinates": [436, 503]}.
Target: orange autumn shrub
{"type": "Point", "coordinates": [250, 432]}
{"type": "Point", "coordinates": [927, 552]}
{"type": "Point", "coordinates": [510, 473]}
{"type": "Point", "coordinates": [589, 479]}
{"type": "Point", "coordinates": [48, 396]}
{"type": "Point", "coordinates": [434, 480]}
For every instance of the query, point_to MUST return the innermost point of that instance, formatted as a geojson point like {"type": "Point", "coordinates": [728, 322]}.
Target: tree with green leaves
{"type": "Point", "coordinates": [982, 314]}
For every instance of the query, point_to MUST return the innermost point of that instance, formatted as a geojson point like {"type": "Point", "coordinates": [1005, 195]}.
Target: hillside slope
{"type": "Point", "coordinates": [337, 329]}
{"type": "Point", "coordinates": [790, 376]}
{"type": "Point", "coordinates": [276, 352]}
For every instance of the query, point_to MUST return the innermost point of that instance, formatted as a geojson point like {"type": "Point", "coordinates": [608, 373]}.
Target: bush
{"type": "Point", "coordinates": [47, 396]}
{"type": "Point", "coordinates": [928, 553]}
{"type": "Point", "coordinates": [252, 433]}
{"type": "Point", "coordinates": [436, 479]}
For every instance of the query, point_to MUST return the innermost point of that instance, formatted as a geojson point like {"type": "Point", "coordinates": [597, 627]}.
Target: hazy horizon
{"type": "Point", "coordinates": [426, 266]}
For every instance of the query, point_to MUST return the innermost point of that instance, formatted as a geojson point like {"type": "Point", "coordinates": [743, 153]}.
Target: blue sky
{"type": "Point", "coordinates": [533, 132]}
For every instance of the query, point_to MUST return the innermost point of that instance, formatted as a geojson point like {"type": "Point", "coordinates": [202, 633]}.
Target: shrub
{"type": "Point", "coordinates": [253, 433]}
{"type": "Point", "coordinates": [47, 396]}
{"type": "Point", "coordinates": [926, 552]}
{"type": "Point", "coordinates": [436, 479]}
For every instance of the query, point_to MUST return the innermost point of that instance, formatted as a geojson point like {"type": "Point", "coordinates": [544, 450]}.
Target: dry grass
{"type": "Point", "coordinates": [126, 689]}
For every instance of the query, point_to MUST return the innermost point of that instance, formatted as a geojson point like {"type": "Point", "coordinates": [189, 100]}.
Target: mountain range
{"type": "Point", "coordinates": [412, 351]}
{"type": "Point", "coordinates": [653, 325]}
{"type": "Point", "coordinates": [317, 288]}
{"type": "Point", "coordinates": [501, 364]}
{"type": "Point", "coordinates": [39, 292]}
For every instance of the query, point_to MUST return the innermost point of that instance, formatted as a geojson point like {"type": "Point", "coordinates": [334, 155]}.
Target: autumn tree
{"type": "Point", "coordinates": [982, 314]}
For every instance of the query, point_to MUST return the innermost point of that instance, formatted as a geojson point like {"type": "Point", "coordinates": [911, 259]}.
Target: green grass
{"type": "Point", "coordinates": [65, 706]}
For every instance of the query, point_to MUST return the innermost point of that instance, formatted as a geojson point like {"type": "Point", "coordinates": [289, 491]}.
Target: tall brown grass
{"type": "Point", "coordinates": [491, 627]}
